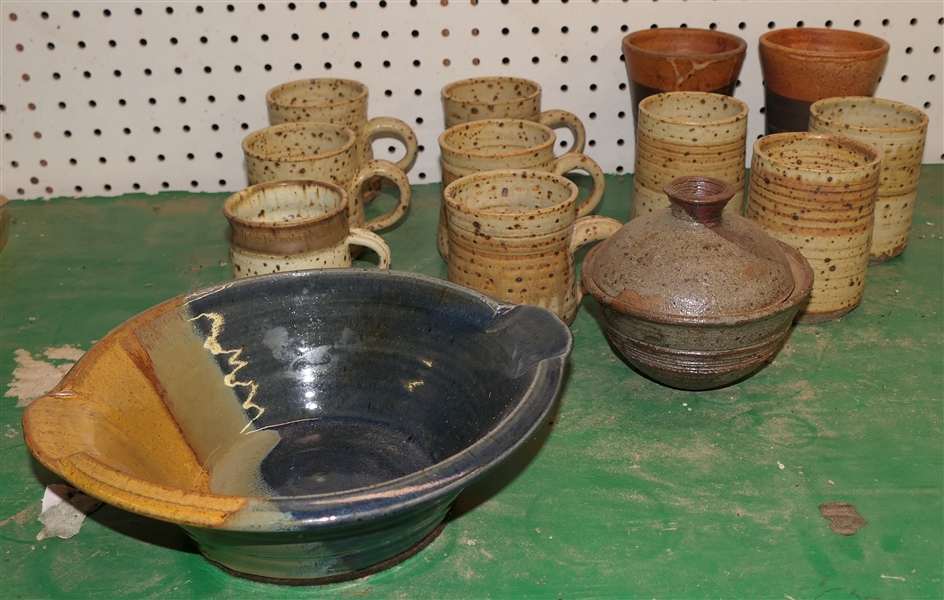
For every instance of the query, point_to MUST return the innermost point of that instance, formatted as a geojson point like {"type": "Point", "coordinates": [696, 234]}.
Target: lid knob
{"type": "Point", "coordinates": [698, 199]}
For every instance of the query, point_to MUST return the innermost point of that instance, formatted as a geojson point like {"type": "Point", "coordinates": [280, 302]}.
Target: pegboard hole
{"type": "Point", "coordinates": [621, 115]}
{"type": "Point", "coordinates": [421, 175]}
{"type": "Point", "coordinates": [157, 129]}
{"type": "Point", "coordinates": [238, 69]}
{"type": "Point", "coordinates": [622, 86]}
{"type": "Point", "coordinates": [107, 187]}
{"type": "Point", "coordinates": [927, 105]}
{"type": "Point", "coordinates": [712, 26]}
{"type": "Point", "coordinates": [564, 59]}
{"type": "Point", "coordinates": [130, 159]}
{"type": "Point", "coordinates": [34, 180]}
{"type": "Point", "coordinates": [160, 157]}
{"type": "Point", "coordinates": [506, 60]}
{"type": "Point", "coordinates": [565, 29]}
{"type": "Point", "coordinates": [885, 22]}
{"type": "Point", "coordinates": [742, 25]}
{"type": "Point", "coordinates": [199, 9]}
{"type": "Point", "coordinates": [904, 78]}
{"type": "Point", "coordinates": [388, 93]}
{"type": "Point", "coordinates": [43, 163]}
{"type": "Point", "coordinates": [241, 98]}
{"type": "Point", "coordinates": [932, 77]}
{"type": "Point", "coordinates": [535, 59]}
{"type": "Point", "coordinates": [14, 164]}
{"type": "Point", "coordinates": [138, 11]}
{"type": "Point", "coordinates": [593, 87]}
{"type": "Point", "coordinates": [143, 42]}
{"type": "Point", "coordinates": [148, 73]}
{"type": "Point", "coordinates": [137, 186]}
{"type": "Point", "coordinates": [102, 159]}
{"type": "Point", "coordinates": [72, 161]}
{"type": "Point", "coordinates": [66, 133]}
{"type": "Point", "coordinates": [78, 189]}
{"type": "Point", "coordinates": [76, 14]}
{"type": "Point", "coordinates": [219, 155]}
{"type": "Point", "coordinates": [800, 23]}
{"type": "Point", "coordinates": [592, 143]}
{"type": "Point", "coordinates": [386, 64]}
{"type": "Point", "coordinates": [44, 15]}
{"type": "Point", "coordinates": [122, 102]}
{"type": "Point", "coordinates": [619, 169]}
{"type": "Point", "coordinates": [186, 128]}
{"type": "Point", "coordinates": [170, 10]}
{"type": "Point", "coordinates": [857, 23]}
{"type": "Point", "coordinates": [357, 64]}
{"type": "Point", "coordinates": [829, 23]}
{"type": "Point", "coordinates": [233, 38]}
{"type": "Point", "coordinates": [913, 21]}
{"type": "Point", "coordinates": [771, 25]}
{"type": "Point", "coordinates": [127, 131]}
{"type": "Point", "coordinates": [173, 41]}
{"type": "Point", "coordinates": [55, 76]}
{"type": "Point", "coordinates": [222, 182]}
{"type": "Point", "coordinates": [165, 185]}
{"type": "Point", "coordinates": [416, 63]}
{"type": "Point", "coordinates": [295, 36]}
{"type": "Point", "coordinates": [264, 37]}
{"type": "Point", "coordinates": [909, 50]}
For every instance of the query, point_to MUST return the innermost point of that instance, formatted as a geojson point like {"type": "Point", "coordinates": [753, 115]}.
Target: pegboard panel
{"type": "Point", "coordinates": [106, 98]}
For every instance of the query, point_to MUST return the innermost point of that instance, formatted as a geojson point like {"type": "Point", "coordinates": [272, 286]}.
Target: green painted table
{"type": "Point", "coordinates": [629, 490]}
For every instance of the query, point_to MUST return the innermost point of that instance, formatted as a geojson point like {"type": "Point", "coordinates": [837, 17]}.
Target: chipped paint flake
{"type": "Point", "coordinates": [64, 511]}
{"type": "Point", "coordinates": [34, 377]}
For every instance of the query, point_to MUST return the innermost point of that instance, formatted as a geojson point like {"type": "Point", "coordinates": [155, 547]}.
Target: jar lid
{"type": "Point", "coordinates": [693, 259]}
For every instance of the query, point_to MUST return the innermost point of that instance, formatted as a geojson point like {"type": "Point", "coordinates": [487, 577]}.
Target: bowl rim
{"type": "Point", "coordinates": [817, 114]}
{"type": "Point", "coordinates": [480, 124]}
{"type": "Point", "coordinates": [275, 95]}
{"type": "Point", "coordinates": [274, 130]}
{"type": "Point", "coordinates": [256, 513]}
{"type": "Point", "coordinates": [801, 290]}
{"type": "Point", "coordinates": [772, 41]}
{"type": "Point", "coordinates": [631, 42]}
{"type": "Point", "coordinates": [447, 92]}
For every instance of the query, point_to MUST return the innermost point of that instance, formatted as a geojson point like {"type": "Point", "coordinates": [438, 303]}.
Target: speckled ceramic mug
{"type": "Point", "coordinates": [494, 144]}
{"type": "Point", "coordinates": [323, 152]}
{"type": "Point", "coordinates": [505, 98]}
{"type": "Point", "coordinates": [816, 192]}
{"type": "Point", "coordinates": [688, 133]}
{"type": "Point", "coordinates": [294, 226]}
{"type": "Point", "coordinates": [341, 102]}
{"type": "Point", "coordinates": [804, 64]}
{"type": "Point", "coordinates": [899, 132]}
{"type": "Point", "coordinates": [513, 234]}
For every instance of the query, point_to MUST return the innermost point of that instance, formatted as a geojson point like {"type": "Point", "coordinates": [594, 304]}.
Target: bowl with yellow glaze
{"type": "Point", "coordinates": [307, 426]}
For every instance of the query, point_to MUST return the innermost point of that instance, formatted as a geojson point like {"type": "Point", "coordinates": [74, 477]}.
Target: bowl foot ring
{"type": "Point", "coordinates": [341, 577]}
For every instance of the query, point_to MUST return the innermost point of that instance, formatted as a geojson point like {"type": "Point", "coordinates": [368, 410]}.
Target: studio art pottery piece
{"type": "Point", "coordinates": [496, 144]}
{"type": "Point", "coordinates": [294, 226]}
{"type": "Point", "coordinates": [688, 133]}
{"type": "Point", "coordinates": [323, 152]}
{"type": "Point", "coordinates": [341, 102]}
{"type": "Point", "coordinates": [899, 132]}
{"type": "Point", "coordinates": [805, 64]}
{"type": "Point", "coordinates": [681, 59]}
{"type": "Point", "coordinates": [505, 98]}
{"type": "Point", "coordinates": [694, 296]}
{"type": "Point", "coordinates": [304, 426]}
{"type": "Point", "coordinates": [817, 192]}
{"type": "Point", "coordinates": [513, 234]}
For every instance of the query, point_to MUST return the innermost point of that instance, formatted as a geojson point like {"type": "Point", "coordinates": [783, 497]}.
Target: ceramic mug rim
{"type": "Point", "coordinates": [449, 191]}
{"type": "Point", "coordinates": [630, 42]}
{"type": "Point", "coordinates": [272, 129]}
{"type": "Point", "coordinates": [447, 90]}
{"type": "Point", "coordinates": [767, 41]}
{"type": "Point", "coordinates": [815, 113]}
{"type": "Point", "coordinates": [271, 95]}
{"type": "Point", "coordinates": [870, 151]}
{"type": "Point", "coordinates": [487, 123]}
{"type": "Point", "coordinates": [645, 102]}
{"type": "Point", "coordinates": [231, 205]}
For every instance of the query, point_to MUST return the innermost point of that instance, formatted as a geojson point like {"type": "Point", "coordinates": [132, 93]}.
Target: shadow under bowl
{"type": "Point", "coordinates": [704, 352]}
{"type": "Point", "coordinates": [304, 425]}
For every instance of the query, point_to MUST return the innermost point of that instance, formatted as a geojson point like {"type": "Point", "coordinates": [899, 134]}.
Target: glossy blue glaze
{"type": "Point", "coordinates": [390, 392]}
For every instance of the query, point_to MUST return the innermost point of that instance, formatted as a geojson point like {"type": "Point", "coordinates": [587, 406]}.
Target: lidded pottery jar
{"type": "Point", "coordinates": [693, 296]}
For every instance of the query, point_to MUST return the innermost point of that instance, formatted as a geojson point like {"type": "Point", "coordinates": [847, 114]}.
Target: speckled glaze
{"type": "Point", "coordinates": [401, 389]}
{"type": "Point", "coordinates": [293, 226]}
{"type": "Point", "coordinates": [899, 132]}
{"type": "Point", "coordinates": [505, 98]}
{"type": "Point", "coordinates": [681, 59]}
{"type": "Point", "coordinates": [341, 102]}
{"type": "Point", "coordinates": [816, 192]}
{"type": "Point", "coordinates": [694, 296]}
{"type": "Point", "coordinates": [513, 234]}
{"type": "Point", "coordinates": [497, 144]}
{"type": "Point", "coordinates": [805, 64]}
{"type": "Point", "coordinates": [688, 133]}
{"type": "Point", "coordinates": [323, 152]}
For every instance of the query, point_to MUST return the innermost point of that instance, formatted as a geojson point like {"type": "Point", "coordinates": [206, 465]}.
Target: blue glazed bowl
{"type": "Point", "coordinates": [303, 426]}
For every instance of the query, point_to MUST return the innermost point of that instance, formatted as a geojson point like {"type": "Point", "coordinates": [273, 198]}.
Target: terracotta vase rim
{"type": "Point", "coordinates": [873, 154]}
{"type": "Point", "coordinates": [448, 193]}
{"type": "Point", "coordinates": [231, 204]}
{"type": "Point", "coordinates": [482, 124]}
{"type": "Point", "coordinates": [769, 41]}
{"type": "Point", "coordinates": [629, 42]}
{"type": "Point", "coordinates": [446, 91]}
{"type": "Point", "coordinates": [273, 129]}
{"type": "Point", "coordinates": [271, 94]}
{"type": "Point", "coordinates": [644, 108]}
{"type": "Point", "coordinates": [817, 106]}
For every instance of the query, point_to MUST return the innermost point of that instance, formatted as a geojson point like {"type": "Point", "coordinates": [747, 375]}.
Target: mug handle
{"type": "Point", "coordinates": [369, 239]}
{"type": "Point", "coordinates": [562, 118]}
{"type": "Point", "coordinates": [594, 228]}
{"type": "Point", "coordinates": [381, 127]}
{"type": "Point", "coordinates": [566, 163]}
{"type": "Point", "coordinates": [381, 168]}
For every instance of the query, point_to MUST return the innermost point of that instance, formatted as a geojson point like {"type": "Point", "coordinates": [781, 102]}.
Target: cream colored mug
{"type": "Point", "coordinates": [292, 226]}
{"type": "Point", "coordinates": [323, 152]}
{"type": "Point", "coordinates": [513, 234]}
{"type": "Point", "coordinates": [508, 144]}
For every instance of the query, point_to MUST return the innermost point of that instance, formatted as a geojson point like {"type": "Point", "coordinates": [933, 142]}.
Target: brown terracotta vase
{"type": "Point", "coordinates": [694, 296]}
{"type": "Point", "coordinates": [803, 65]}
{"type": "Point", "coordinates": [681, 59]}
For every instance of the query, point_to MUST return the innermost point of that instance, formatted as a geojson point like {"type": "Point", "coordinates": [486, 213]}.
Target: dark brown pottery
{"type": "Point", "coordinates": [693, 296]}
{"type": "Point", "coordinates": [682, 59]}
{"type": "Point", "coordinates": [803, 65]}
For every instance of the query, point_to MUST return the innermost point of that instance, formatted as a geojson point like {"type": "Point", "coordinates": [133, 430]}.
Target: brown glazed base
{"type": "Point", "coordinates": [639, 92]}
{"type": "Point", "coordinates": [342, 577]}
{"type": "Point", "coordinates": [785, 114]}
{"type": "Point", "coordinates": [811, 318]}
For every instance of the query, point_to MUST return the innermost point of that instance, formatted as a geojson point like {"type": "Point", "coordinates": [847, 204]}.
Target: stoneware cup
{"type": "Point", "coordinates": [513, 234]}
{"type": "Point", "coordinates": [688, 133]}
{"type": "Point", "coordinates": [803, 65]}
{"type": "Point", "coordinates": [899, 132]}
{"type": "Point", "coordinates": [323, 152]}
{"type": "Point", "coordinates": [505, 98]}
{"type": "Point", "coordinates": [496, 144]}
{"type": "Point", "coordinates": [681, 59]}
{"type": "Point", "coordinates": [294, 226]}
{"type": "Point", "coordinates": [341, 102]}
{"type": "Point", "coordinates": [816, 192]}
